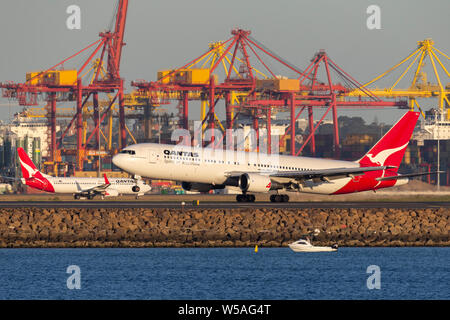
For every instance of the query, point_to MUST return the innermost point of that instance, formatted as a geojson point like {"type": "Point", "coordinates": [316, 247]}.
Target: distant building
{"type": "Point", "coordinates": [22, 127]}
{"type": "Point", "coordinates": [29, 133]}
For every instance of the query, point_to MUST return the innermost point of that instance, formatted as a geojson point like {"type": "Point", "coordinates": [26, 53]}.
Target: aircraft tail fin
{"type": "Point", "coordinates": [29, 170]}
{"type": "Point", "coordinates": [390, 149]}
{"type": "Point", "coordinates": [106, 178]}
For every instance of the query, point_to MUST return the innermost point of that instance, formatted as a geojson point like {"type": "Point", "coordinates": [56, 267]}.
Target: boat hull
{"type": "Point", "coordinates": [311, 249]}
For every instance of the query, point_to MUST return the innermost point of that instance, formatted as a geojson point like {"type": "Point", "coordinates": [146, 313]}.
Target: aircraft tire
{"type": "Point", "coordinates": [279, 198]}
{"type": "Point", "coordinates": [245, 198]}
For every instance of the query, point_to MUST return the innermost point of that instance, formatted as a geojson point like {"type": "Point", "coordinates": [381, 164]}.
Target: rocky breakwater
{"type": "Point", "coordinates": [34, 227]}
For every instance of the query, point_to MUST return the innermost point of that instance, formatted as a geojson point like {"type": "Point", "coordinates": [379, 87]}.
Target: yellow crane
{"type": "Point", "coordinates": [202, 67]}
{"type": "Point", "coordinates": [420, 87]}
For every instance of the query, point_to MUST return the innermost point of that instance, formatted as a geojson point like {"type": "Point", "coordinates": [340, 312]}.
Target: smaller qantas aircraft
{"type": "Point", "coordinates": [80, 187]}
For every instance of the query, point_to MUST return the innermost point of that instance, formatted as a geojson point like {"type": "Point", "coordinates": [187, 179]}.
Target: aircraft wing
{"type": "Point", "coordinates": [327, 174]}
{"type": "Point", "coordinates": [99, 189]}
{"type": "Point", "coordinates": [316, 174]}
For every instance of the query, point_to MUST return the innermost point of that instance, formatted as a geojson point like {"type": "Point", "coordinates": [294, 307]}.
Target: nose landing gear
{"type": "Point", "coordinates": [279, 198]}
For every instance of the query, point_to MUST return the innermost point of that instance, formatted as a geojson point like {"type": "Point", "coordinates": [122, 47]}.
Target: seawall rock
{"type": "Point", "coordinates": [221, 227]}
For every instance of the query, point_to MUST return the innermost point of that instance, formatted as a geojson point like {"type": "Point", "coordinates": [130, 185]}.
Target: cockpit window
{"type": "Point", "coordinates": [128, 151]}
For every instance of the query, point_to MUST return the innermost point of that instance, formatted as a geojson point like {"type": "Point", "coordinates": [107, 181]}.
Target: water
{"type": "Point", "coordinates": [225, 273]}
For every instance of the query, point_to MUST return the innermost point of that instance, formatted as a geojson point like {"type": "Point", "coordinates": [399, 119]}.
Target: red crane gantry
{"type": "Point", "coordinates": [50, 86]}
{"type": "Point", "coordinates": [306, 91]}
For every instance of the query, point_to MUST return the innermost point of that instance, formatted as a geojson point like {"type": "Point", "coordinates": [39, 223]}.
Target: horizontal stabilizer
{"type": "Point", "coordinates": [405, 176]}
{"type": "Point", "coordinates": [10, 178]}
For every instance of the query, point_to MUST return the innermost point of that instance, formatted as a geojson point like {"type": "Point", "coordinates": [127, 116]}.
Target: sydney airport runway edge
{"type": "Point", "coordinates": [222, 205]}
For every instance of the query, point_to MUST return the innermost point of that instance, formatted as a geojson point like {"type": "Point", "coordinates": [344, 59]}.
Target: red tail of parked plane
{"type": "Point", "coordinates": [29, 170]}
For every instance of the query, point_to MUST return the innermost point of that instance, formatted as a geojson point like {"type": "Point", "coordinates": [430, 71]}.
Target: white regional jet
{"type": "Point", "coordinates": [79, 187]}
{"type": "Point", "coordinates": [203, 169]}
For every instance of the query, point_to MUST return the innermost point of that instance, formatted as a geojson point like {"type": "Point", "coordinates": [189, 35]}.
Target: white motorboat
{"type": "Point", "coordinates": [304, 245]}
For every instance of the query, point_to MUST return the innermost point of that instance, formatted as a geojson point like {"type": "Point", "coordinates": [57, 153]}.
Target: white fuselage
{"type": "Point", "coordinates": [77, 185]}
{"type": "Point", "coordinates": [211, 166]}
{"type": "Point", "coordinates": [73, 185]}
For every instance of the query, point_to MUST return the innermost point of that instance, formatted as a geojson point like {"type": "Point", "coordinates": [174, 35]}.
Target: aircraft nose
{"type": "Point", "coordinates": [115, 161]}
{"type": "Point", "coordinates": [118, 160]}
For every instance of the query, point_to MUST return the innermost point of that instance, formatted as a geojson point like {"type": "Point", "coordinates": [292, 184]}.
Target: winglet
{"type": "Point", "coordinates": [106, 178]}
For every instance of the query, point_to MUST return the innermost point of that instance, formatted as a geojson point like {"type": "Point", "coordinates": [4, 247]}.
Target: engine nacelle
{"type": "Point", "coordinates": [200, 187]}
{"type": "Point", "coordinates": [111, 193]}
{"type": "Point", "coordinates": [136, 189]}
{"type": "Point", "coordinates": [253, 182]}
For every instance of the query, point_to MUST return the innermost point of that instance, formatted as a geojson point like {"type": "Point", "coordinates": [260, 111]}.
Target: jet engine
{"type": "Point", "coordinates": [253, 182]}
{"type": "Point", "coordinates": [136, 189]}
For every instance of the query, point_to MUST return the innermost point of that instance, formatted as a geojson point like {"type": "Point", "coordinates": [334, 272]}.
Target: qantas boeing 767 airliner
{"type": "Point", "coordinates": [203, 169]}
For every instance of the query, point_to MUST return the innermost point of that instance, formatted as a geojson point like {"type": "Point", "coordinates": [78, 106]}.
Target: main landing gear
{"type": "Point", "coordinates": [79, 196]}
{"type": "Point", "coordinates": [279, 198]}
{"type": "Point", "coordinates": [245, 198]}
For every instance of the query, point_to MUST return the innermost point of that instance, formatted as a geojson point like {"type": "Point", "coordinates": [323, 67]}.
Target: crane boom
{"type": "Point", "coordinates": [119, 31]}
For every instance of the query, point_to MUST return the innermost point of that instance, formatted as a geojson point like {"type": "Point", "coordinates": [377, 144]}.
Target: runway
{"type": "Point", "coordinates": [220, 205]}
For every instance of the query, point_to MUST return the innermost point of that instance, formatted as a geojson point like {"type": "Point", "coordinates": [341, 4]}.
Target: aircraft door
{"type": "Point", "coordinates": [153, 156]}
